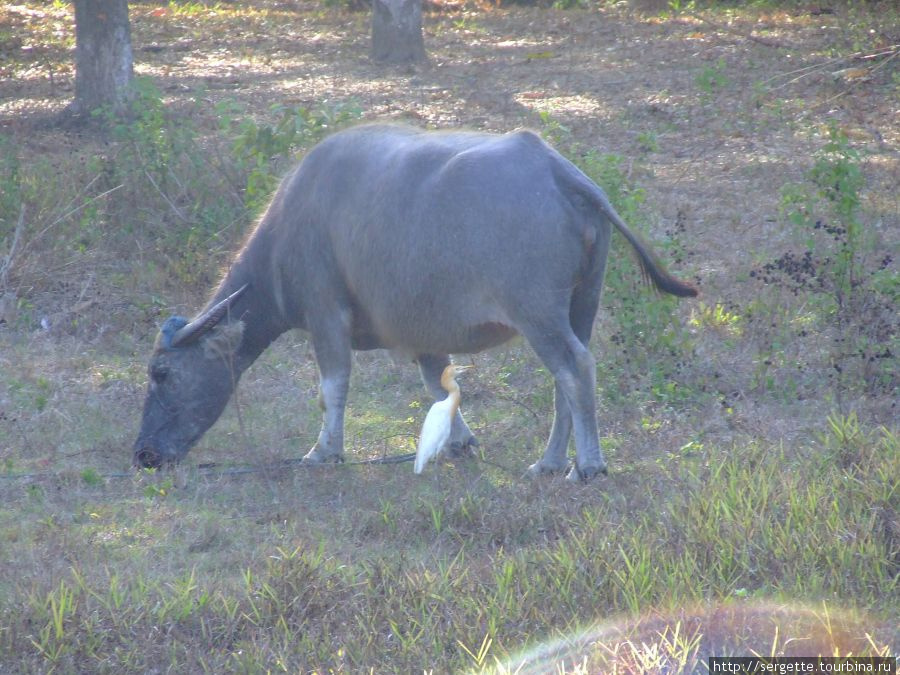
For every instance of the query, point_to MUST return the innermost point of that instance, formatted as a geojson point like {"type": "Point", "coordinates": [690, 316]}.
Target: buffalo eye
{"type": "Point", "coordinates": [158, 373]}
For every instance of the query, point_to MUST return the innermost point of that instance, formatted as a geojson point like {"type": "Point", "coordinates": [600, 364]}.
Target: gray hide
{"type": "Point", "coordinates": [425, 243]}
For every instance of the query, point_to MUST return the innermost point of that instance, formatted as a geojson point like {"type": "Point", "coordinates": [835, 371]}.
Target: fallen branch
{"type": "Point", "coordinates": [890, 56]}
{"type": "Point", "coordinates": [768, 42]}
{"type": "Point", "coordinates": [890, 52]}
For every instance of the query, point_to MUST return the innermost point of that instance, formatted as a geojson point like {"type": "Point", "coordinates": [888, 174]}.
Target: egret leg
{"type": "Point", "coordinates": [332, 347]}
{"type": "Point", "coordinates": [431, 366]}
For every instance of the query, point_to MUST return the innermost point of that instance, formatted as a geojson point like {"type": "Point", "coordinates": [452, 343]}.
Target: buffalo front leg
{"type": "Point", "coordinates": [332, 347]}
{"type": "Point", "coordinates": [431, 366]}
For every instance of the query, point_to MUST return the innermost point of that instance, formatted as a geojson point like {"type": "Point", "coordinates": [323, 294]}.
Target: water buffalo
{"type": "Point", "coordinates": [425, 243]}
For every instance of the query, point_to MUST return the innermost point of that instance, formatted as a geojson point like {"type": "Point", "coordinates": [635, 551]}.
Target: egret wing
{"type": "Point", "coordinates": [435, 432]}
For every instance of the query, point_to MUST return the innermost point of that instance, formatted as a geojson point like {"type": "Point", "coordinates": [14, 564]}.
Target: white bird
{"type": "Point", "coordinates": [436, 428]}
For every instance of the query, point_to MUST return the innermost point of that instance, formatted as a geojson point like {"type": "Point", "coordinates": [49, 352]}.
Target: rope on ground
{"type": "Point", "coordinates": [214, 468]}
{"type": "Point", "coordinates": [217, 469]}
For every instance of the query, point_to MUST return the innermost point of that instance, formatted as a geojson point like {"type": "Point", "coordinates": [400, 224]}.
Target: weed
{"type": "Point", "coordinates": [176, 195]}
{"type": "Point", "coordinates": [388, 514]}
{"type": "Point", "coordinates": [717, 318]}
{"type": "Point", "coordinates": [158, 159]}
{"type": "Point", "coordinates": [159, 489]}
{"type": "Point", "coordinates": [263, 148]}
{"type": "Point", "coordinates": [479, 655]}
{"type": "Point", "coordinates": [848, 288]}
{"type": "Point", "coordinates": [53, 639]}
{"type": "Point", "coordinates": [91, 477]}
{"type": "Point", "coordinates": [648, 340]}
{"type": "Point", "coordinates": [647, 141]}
{"type": "Point", "coordinates": [468, 24]}
{"type": "Point", "coordinates": [437, 517]}
{"type": "Point", "coordinates": [649, 344]}
{"type": "Point", "coordinates": [678, 6]}
{"type": "Point", "coordinates": [712, 79]}
{"type": "Point", "coordinates": [570, 4]}
{"type": "Point", "coordinates": [149, 139]}
{"type": "Point", "coordinates": [553, 130]}
{"type": "Point", "coordinates": [31, 393]}
{"type": "Point", "coordinates": [10, 192]}
{"type": "Point", "coordinates": [188, 9]}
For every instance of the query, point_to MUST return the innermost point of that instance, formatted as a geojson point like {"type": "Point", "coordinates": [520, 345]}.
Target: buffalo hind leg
{"type": "Point", "coordinates": [333, 355]}
{"type": "Point", "coordinates": [573, 368]}
{"type": "Point", "coordinates": [582, 312]}
{"type": "Point", "coordinates": [555, 459]}
{"type": "Point", "coordinates": [431, 366]}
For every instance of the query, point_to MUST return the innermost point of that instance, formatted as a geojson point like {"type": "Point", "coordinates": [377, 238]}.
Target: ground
{"type": "Point", "coordinates": [751, 433]}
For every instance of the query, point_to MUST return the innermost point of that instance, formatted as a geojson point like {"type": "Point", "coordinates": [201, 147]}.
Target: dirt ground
{"type": "Point", "coordinates": [719, 113]}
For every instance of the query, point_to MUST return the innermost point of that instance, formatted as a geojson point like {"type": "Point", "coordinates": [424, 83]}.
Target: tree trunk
{"type": "Point", "coordinates": [397, 31]}
{"type": "Point", "coordinates": [103, 59]}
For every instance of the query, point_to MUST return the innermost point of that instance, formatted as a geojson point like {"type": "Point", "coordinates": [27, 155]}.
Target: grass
{"type": "Point", "coordinates": [416, 576]}
{"type": "Point", "coordinates": [753, 505]}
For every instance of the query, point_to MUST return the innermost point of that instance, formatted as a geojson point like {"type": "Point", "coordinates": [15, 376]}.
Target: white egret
{"type": "Point", "coordinates": [436, 428]}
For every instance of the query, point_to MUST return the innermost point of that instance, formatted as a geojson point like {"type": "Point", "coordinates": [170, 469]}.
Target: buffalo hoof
{"type": "Point", "coordinates": [585, 473]}
{"type": "Point", "coordinates": [541, 468]}
{"type": "Point", "coordinates": [317, 456]}
{"type": "Point", "coordinates": [463, 448]}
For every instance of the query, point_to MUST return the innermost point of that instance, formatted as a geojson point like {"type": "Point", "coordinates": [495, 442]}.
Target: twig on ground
{"type": "Point", "coordinates": [768, 42]}
{"type": "Point", "coordinates": [854, 82]}
{"type": "Point", "coordinates": [890, 52]}
{"type": "Point", "coordinates": [890, 56]}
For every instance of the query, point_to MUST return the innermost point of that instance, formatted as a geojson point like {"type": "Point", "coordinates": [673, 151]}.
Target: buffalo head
{"type": "Point", "coordinates": [190, 378]}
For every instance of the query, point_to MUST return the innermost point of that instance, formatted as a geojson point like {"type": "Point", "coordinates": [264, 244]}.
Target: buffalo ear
{"type": "Point", "coordinates": [223, 341]}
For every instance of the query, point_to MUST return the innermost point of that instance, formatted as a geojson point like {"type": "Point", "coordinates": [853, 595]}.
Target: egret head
{"type": "Point", "coordinates": [451, 371]}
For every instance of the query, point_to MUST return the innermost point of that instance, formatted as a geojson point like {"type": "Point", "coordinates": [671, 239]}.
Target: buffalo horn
{"type": "Point", "coordinates": [199, 326]}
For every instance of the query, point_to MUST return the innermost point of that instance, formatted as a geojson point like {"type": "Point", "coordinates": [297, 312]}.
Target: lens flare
{"type": "Point", "coordinates": [680, 641]}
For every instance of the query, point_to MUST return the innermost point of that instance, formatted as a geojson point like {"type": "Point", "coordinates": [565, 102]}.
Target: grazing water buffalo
{"type": "Point", "coordinates": [425, 243]}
